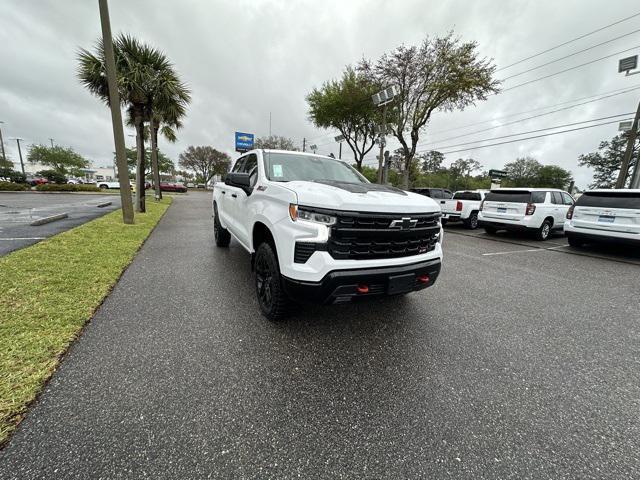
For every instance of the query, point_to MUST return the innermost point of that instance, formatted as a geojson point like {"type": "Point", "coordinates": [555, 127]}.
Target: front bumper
{"type": "Point", "coordinates": [341, 286]}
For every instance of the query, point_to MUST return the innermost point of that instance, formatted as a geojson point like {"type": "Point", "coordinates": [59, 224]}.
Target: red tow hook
{"type": "Point", "coordinates": [362, 288]}
{"type": "Point", "coordinates": [423, 278]}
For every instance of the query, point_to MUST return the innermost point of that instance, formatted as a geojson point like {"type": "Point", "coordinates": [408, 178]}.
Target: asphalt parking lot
{"type": "Point", "coordinates": [18, 210]}
{"type": "Point", "coordinates": [521, 362]}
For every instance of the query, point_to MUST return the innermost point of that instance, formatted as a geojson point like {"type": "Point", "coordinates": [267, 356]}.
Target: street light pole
{"type": "Point", "coordinates": [4, 157]}
{"type": "Point", "coordinates": [20, 155]}
{"type": "Point", "coordinates": [116, 115]}
{"type": "Point", "coordinates": [51, 142]}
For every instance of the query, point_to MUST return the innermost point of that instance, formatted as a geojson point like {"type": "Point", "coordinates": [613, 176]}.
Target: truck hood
{"type": "Point", "coordinates": [363, 198]}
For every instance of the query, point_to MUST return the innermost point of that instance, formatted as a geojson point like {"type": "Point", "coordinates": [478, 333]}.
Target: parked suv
{"type": "Point", "coordinates": [605, 216]}
{"type": "Point", "coordinates": [432, 192]}
{"type": "Point", "coordinates": [535, 210]}
{"type": "Point", "coordinates": [318, 231]}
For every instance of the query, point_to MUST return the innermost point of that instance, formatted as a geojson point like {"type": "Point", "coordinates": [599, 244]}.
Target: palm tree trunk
{"type": "Point", "coordinates": [154, 157]}
{"type": "Point", "coordinates": [140, 162]}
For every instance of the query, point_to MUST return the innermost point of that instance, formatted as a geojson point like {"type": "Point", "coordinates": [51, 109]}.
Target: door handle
{"type": "Point", "coordinates": [234, 195]}
{"type": "Point", "coordinates": [223, 192]}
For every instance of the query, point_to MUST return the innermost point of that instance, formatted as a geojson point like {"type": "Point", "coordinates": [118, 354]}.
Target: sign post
{"type": "Point", "coordinates": [496, 177]}
{"type": "Point", "coordinates": [244, 142]}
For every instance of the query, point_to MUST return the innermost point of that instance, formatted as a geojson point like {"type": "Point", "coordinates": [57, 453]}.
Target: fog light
{"type": "Point", "coordinates": [423, 278]}
{"type": "Point", "coordinates": [362, 288]}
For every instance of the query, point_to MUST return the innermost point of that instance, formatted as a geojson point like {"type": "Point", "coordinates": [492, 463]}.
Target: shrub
{"type": "Point", "coordinates": [52, 176]}
{"type": "Point", "coordinates": [66, 187]}
{"type": "Point", "coordinates": [12, 187]}
{"type": "Point", "coordinates": [11, 175]}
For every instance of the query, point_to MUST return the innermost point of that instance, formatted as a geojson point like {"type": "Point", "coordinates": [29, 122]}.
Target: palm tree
{"type": "Point", "coordinates": [145, 78]}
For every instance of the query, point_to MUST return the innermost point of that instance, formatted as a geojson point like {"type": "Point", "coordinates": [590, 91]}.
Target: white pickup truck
{"type": "Point", "coordinates": [318, 231]}
{"type": "Point", "coordinates": [464, 206]}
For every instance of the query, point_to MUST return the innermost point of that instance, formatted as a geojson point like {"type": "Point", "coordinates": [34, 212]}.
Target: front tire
{"type": "Point", "coordinates": [273, 300]}
{"type": "Point", "coordinates": [544, 231]}
{"type": "Point", "coordinates": [221, 234]}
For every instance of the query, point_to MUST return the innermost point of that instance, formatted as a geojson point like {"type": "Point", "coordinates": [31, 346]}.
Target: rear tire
{"type": "Point", "coordinates": [221, 234]}
{"type": "Point", "coordinates": [544, 231]}
{"type": "Point", "coordinates": [490, 230]}
{"type": "Point", "coordinates": [574, 242]}
{"type": "Point", "coordinates": [273, 300]}
{"type": "Point", "coordinates": [472, 222]}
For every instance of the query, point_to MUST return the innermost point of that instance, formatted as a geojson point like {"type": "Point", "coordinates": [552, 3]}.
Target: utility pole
{"type": "Point", "coordinates": [269, 123]}
{"type": "Point", "coordinates": [635, 179]}
{"type": "Point", "coordinates": [116, 115]}
{"type": "Point", "coordinates": [20, 155]}
{"type": "Point", "coordinates": [385, 169]}
{"type": "Point", "coordinates": [382, 99]}
{"type": "Point", "coordinates": [4, 157]}
{"type": "Point", "coordinates": [304, 144]}
{"type": "Point", "coordinates": [626, 160]}
{"type": "Point", "coordinates": [51, 142]}
{"type": "Point", "coordinates": [383, 142]}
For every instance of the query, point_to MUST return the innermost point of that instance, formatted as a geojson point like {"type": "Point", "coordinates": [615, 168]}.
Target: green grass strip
{"type": "Point", "coordinates": [49, 291]}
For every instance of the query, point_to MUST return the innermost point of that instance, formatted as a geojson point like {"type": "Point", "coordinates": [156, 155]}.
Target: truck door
{"type": "Point", "coordinates": [243, 224]}
{"type": "Point", "coordinates": [228, 199]}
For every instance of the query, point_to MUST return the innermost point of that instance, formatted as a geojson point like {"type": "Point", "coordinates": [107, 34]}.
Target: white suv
{"type": "Point", "coordinates": [535, 210]}
{"type": "Point", "coordinates": [317, 230]}
{"type": "Point", "coordinates": [604, 216]}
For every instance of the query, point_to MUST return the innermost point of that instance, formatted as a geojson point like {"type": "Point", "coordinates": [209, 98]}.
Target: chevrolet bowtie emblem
{"type": "Point", "coordinates": [404, 223]}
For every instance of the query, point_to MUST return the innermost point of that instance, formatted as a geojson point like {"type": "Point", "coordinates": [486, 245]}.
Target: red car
{"type": "Point", "coordinates": [173, 187]}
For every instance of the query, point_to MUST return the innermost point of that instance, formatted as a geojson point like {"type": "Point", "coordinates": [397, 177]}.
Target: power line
{"type": "Point", "coordinates": [533, 131]}
{"type": "Point", "coordinates": [520, 120]}
{"type": "Point", "coordinates": [569, 41]}
{"type": "Point", "coordinates": [570, 55]}
{"type": "Point", "coordinates": [535, 136]}
{"type": "Point", "coordinates": [621, 90]}
{"type": "Point", "coordinates": [569, 69]}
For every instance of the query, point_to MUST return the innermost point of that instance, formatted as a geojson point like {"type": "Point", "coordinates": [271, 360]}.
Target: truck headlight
{"type": "Point", "coordinates": [301, 213]}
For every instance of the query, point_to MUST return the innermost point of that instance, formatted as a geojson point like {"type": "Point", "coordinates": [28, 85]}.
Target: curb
{"type": "Point", "coordinates": [52, 218]}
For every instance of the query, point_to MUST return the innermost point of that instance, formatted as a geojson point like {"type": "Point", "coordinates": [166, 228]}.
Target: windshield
{"type": "Point", "coordinates": [286, 167]}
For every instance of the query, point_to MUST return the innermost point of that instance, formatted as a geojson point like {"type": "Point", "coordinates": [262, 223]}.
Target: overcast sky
{"type": "Point", "coordinates": [244, 59]}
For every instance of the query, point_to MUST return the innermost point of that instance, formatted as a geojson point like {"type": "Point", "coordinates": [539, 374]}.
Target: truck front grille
{"type": "Point", "coordinates": [358, 236]}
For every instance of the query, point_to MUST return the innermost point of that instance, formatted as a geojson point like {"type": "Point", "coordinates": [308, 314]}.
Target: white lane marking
{"type": "Point", "coordinates": [524, 251]}
{"type": "Point", "coordinates": [22, 238]}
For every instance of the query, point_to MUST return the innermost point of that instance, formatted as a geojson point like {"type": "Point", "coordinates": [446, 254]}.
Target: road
{"type": "Point", "coordinates": [517, 365]}
{"type": "Point", "coordinates": [18, 210]}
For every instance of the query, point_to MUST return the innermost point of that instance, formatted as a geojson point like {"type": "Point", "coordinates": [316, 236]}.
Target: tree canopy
{"type": "Point", "coordinates": [606, 161]}
{"type": "Point", "coordinates": [63, 160]}
{"type": "Point", "coordinates": [439, 74]}
{"type": "Point", "coordinates": [345, 105]}
{"type": "Point", "coordinates": [165, 164]}
{"type": "Point", "coordinates": [275, 142]}
{"type": "Point", "coordinates": [205, 161]}
{"type": "Point", "coordinates": [529, 172]}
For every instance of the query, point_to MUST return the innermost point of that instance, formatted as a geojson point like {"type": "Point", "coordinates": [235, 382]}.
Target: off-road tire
{"type": "Point", "coordinates": [221, 234]}
{"type": "Point", "coordinates": [272, 298]}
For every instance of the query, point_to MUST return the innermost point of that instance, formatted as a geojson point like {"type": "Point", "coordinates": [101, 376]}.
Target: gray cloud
{"type": "Point", "coordinates": [244, 59]}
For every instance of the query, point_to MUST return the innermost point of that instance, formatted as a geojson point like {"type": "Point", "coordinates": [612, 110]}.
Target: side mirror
{"type": "Point", "coordinates": [241, 180]}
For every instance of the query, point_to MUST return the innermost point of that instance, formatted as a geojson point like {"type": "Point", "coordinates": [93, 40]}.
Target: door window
{"type": "Point", "coordinates": [251, 167]}
{"type": "Point", "coordinates": [238, 165]}
{"type": "Point", "coordinates": [567, 199]}
{"type": "Point", "coordinates": [538, 197]}
{"type": "Point", "coordinates": [556, 198]}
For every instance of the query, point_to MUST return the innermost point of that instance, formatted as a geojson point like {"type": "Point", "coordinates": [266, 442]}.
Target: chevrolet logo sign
{"type": "Point", "coordinates": [244, 138]}
{"type": "Point", "coordinates": [404, 223]}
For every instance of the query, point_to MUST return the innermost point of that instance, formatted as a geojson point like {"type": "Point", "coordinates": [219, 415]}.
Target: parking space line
{"type": "Point", "coordinates": [524, 251]}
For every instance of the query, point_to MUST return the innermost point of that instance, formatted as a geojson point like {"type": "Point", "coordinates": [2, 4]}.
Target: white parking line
{"type": "Point", "coordinates": [524, 251]}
